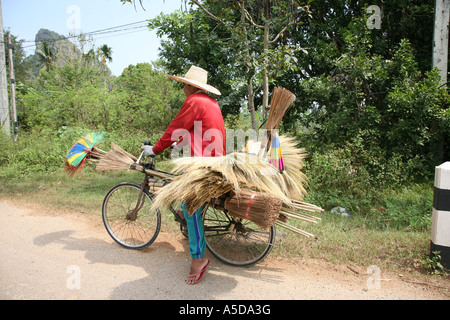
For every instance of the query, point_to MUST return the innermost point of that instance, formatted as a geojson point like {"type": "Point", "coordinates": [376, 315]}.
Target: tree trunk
{"type": "Point", "coordinates": [265, 61]}
{"type": "Point", "coordinates": [251, 95]}
{"type": "Point", "coordinates": [251, 103]}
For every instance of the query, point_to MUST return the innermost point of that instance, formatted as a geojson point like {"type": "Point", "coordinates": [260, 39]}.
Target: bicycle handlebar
{"type": "Point", "coordinates": [146, 143]}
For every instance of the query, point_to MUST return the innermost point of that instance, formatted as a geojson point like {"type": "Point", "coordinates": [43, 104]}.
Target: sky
{"type": "Point", "coordinates": [133, 44]}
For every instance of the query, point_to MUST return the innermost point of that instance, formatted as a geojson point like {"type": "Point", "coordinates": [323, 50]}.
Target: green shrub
{"type": "Point", "coordinates": [45, 150]}
{"type": "Point", "coordinates": [387, 198]}
{"type": "Point", "coordinates": [408, 208]}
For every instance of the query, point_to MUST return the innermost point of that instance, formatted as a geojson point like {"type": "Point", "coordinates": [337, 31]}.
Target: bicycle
{"type": "Point", "coordinates": [131, 222]}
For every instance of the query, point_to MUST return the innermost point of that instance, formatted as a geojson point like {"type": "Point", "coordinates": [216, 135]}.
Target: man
{"type": "Point", "coordinates": [199, 124]}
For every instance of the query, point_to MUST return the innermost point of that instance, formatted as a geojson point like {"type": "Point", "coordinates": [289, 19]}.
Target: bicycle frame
{"type": "Point", "coordinates": [233, 241]}
{"type": "Point", "coordinates": [146, 186]}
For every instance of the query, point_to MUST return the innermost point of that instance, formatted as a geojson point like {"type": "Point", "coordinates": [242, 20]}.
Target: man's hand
{"type": "Point", "coordinates": [175, 147]}
{"type": "Point", "coordinates": [148, 150]}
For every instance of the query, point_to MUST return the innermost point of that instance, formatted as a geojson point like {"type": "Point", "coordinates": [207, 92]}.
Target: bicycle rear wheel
{"type": "Point", "coordinates": [236, 242]}
{"type": "Point", "coordinates": [131, 229]}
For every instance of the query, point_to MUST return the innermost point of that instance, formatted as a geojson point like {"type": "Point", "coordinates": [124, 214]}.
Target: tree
{"type": "Point", "coordinates": [381, 109]}
{"type": "Point", "coordinates": [45, 55]}
{"type": "Point", "coordinates": [148, 99]}
{"type": "Point", "coordinates": [259, 15]}
{"type": "Point", "coordinates": [245, 31]}
{"type": "Point", "coordinates": [70, 92]}
{"type": "Point", "coordinates": [196, 39]}
{"type": "Point", "coordinates": [105, 53]}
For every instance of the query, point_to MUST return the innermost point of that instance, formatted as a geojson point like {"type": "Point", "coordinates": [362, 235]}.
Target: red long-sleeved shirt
{"type": "Point", "coordinates": [200, 125]}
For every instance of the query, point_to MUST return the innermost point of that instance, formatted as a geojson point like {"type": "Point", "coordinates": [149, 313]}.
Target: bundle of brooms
{"type": "Point", "coordinates": [240, 175]}
{"type": "Point", "coordinates": [265, 210]}
{"type": "Point", "coordinates": [244, 175]}
{"type": "Point", "coordinates": [261, 208]}
{"type": "Point", "coordinates": [119, 159]}
{"type": "Point", "coordinates": [255, 189]}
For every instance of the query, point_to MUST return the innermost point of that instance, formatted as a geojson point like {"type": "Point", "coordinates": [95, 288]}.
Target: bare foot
{"type": "Point", "coordinates": [198, 270]}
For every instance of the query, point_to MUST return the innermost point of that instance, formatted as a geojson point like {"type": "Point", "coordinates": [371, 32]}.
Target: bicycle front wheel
{"type": "Point", "coordinates": [236, 242]}
{"type": "Point", "coordinates": [128, 220]}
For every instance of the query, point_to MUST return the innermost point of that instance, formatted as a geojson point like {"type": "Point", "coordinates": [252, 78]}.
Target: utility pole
{"type": "Point", "coordinates": [440, 38]}
{"type": "Point", "coordinates": [12, 86]}
{"type": "Point", "coordinates": [4, 105]}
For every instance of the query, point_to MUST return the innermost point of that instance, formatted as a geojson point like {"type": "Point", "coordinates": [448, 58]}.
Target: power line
{"type": "Point", "coordinates": [142, 28]}
{"type": "Point", "coordinates": [124, 27]}
{"type": "Point", "coordinates": [97, 31]}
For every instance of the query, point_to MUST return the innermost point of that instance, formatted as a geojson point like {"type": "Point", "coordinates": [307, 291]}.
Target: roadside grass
{"type": "Point", "coordinates": [349, 241]}
{"type": "Point", "coordinates": [81, 194]}
{"type": "Point", "coordinates": [342, 240]}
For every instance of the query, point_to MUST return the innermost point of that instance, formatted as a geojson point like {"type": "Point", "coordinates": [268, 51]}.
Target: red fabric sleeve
{"type": "Point", "coordinates": [200, 117]}
{"type": "Point", "coordinates": [183, 120]}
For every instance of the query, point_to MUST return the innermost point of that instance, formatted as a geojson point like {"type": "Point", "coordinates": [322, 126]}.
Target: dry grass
{"type": "Point", "coordinates": [117, 159]}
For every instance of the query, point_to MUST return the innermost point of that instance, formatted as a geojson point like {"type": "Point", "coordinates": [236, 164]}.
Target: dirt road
{"type": "Point", "coordinates": [47, 254]}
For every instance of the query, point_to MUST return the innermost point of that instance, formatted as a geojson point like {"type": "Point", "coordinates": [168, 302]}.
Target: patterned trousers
{"type": "Point", "coordinates": [196, 233]}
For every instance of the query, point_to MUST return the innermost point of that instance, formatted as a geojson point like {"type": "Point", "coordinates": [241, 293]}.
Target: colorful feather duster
{"type": "Point", "coordinates": [85, 149]}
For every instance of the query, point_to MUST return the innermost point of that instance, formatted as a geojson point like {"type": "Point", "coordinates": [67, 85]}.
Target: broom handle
{"type": "Point", "coordinates": [139, 159]}
{"type": "Point", "coordinates": [294, 229]}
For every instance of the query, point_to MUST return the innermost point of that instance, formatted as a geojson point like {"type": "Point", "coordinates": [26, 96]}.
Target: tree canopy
{"type": "Point", "coordinates": [369, 91]}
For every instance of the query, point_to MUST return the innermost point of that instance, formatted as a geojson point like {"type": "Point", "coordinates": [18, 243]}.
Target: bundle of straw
{"type": "Point", "coordinates": [261, 208]}
{"type": "Point", "coordinates": [119, 159]}
{"type": "Point", "coordinates": [292, 180]}
{"type": "Point", "coordinates": [195, 187]}
{"type": "Point", "coordinates": [280, 103]}
{"type": "Point", "coordinates": [207, 178]}
{"type": "Point", "coordinates": [266, 210]}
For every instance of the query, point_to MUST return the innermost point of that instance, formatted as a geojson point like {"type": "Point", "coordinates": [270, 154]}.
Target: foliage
{"type": "Point", "coordinates": [77, 90]}
{"type": "Point", "coordinates": [35, 152]}
{"type": "Point", "coordinates": [193, 38]}
{"type": "Point", "coordinates": [44, 151]}
{"type": "Point", "coordinates": [146, 101]}
{"type": "Point", "coordinates": [76, 94]}
{"type": "Point", "coordinates": [433, 265]}
{"type": "Point", "coordinates": [71, 94]}
{"type": "Point", "coordinates": [391, 202]}
{"type": "Point", "coordinates": [214, 34]}
{"type": "Point", "coordinates": [383, 110]}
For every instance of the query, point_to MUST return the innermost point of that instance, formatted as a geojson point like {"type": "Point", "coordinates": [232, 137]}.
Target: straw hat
{"type": "Point", "coordinates": [198, 78]}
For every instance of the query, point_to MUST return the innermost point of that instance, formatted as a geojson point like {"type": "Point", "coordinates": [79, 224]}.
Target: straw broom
{"type": "Point", "coordinates": [261, 208]}
{"type": "Point", "coordinates": [119, 159]}
{"type": "Point", "coordinates": [280, 103]}
{"type": "Point", "coordinates": [266, 210]}
{"type": "Point", "coordinates": [195, 187]}
{"type": "Point", "coordinates": [294, 229]}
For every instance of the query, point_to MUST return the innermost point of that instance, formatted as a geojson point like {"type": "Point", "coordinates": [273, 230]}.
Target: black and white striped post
{"type": "Point", "coordinates": [440, 226]}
